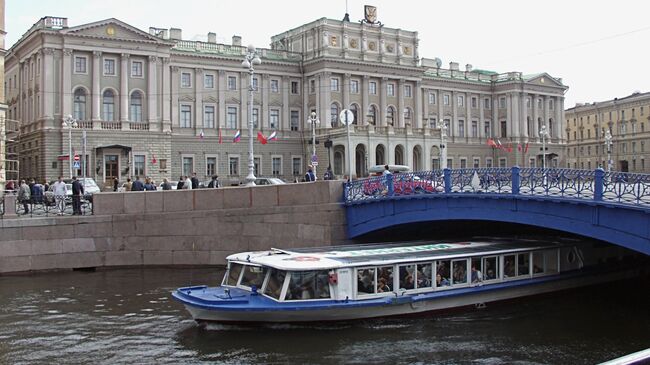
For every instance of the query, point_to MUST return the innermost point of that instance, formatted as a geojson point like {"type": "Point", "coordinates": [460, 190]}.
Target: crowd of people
{"type": "Point", "coordinates": [31, 192]}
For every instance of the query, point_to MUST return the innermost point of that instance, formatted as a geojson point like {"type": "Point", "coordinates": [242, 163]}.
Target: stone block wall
{"type": "Point", "coordinates": [196, 227]}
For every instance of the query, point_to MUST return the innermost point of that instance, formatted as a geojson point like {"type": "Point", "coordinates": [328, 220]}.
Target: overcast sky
{"type": "Point", "coordinates": [599, 48]}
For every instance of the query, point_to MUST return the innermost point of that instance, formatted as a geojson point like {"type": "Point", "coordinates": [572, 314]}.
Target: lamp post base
{"type": "Point", "coordinates": [250, 180]}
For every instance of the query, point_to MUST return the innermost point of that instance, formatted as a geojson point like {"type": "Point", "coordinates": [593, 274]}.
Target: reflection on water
{"type": "Point", "coordinates": [127, 316]}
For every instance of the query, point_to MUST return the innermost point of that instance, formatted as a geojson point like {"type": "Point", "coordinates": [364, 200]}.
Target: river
{"type": "Point", "coordinates": [127, 316]}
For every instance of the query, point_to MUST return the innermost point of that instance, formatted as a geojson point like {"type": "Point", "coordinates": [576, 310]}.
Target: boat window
{"type": "Point", "coordinates": [490, 268]}
{"type": "Point", "coordinates": [366, 280]}
{"type": "Point", "coordinates": [508, 266]}
{"type": "Point", "coordinates": [459, 268]}
{"type": "Point", "coordinates": [442, 273]}
{"type": "Point", "coordinates": [274, 284]}
{"type": "Point", "coordinates": [477, 271]}
{"type": "Point", "coordinates": [423, 275]}
{"type": "Point", "coordinates": [550, 261]}
{"type": "Point", "coordinates": [253, 276]}
{"type": "Point", "coordinates": [523, 264]}
{"type": "Point", "coordinates": [232, 276]}
{"type": "Point", "coordinates": [304, 285]}
{"type": "Point", "coordinates": [385, 279]}
{"type": "Point", "coordinates": [407, 277]}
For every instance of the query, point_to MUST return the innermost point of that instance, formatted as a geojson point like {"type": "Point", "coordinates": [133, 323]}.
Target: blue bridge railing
{"type": "Point", "coordinates": [614, 187]}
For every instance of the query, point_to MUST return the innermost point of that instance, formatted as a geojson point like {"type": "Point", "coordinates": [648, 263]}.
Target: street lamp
{"type": "Point", "coordinates": [251, 59]}
{"type": "Point", "coordinates": [544, 134]}
{"type": "Point", "coordinates": [443, 145]}
{"type": "Point", "coordinates": [313, 120]}
{"type": "Point", "coordinates": [608, 144]}
{"type": "Point", "coordinates": [69, 122]}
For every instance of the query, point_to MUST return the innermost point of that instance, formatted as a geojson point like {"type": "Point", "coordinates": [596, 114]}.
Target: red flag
{"type": "Point", "coordinates": [509, 147]}
{"type": "Point", "coordinates": [153, 159]}
{"type": "Point", "coordinates": [220, 140]}
{"type": "Point", "coordinates": [491, 143]}
{"type": "Point", "coordinates": [519, 147]}
{"type": "Point", "coordinates": [261, 138]}
{"type": "Point", "coordinates": [526, 149]}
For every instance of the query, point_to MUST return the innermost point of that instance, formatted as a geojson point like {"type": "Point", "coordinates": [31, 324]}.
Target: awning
{"type": "Point", "coordinates": [114, 146]}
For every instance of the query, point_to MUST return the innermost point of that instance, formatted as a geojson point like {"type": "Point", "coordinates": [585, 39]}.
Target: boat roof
{"type": "Point", "coordinates": [332, 257]}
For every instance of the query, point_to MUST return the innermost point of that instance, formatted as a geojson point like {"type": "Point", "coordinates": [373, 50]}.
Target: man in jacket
{"type": "Point", "coordinates": [137, 184]}
{"type": "Point", "coordinates": [24, 195]}
{"type": "Point", "coordinates": [195, 181]}
{"type": "Point", "coordinates": [77, 193]}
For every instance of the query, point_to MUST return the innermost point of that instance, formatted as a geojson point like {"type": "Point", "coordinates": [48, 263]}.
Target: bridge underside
{"type": "Point", "coordinates": [626, 227]}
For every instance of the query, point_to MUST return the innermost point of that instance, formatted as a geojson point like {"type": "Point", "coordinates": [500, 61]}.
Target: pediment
{"type": "Point", "coordinates": [543, 79]}
{"type": "Point", "coordinates": [232, 100]}
{"type": "Point", "coordinates": [275, 103]}
{"type": "Point", "coordinates": [112, 29]}
{"type": "Point", "coordinates": [210, 99]}
{"type": "Point", "coordinates": [186, 98]}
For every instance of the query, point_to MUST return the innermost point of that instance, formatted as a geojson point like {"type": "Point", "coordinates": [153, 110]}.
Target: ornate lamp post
{"type": "Point", "coordinates": [69, 122]}
{"type": "Point", "coordinates": [251, 59]}
{"type": "Point", "coordinates": [313, 120]}
{"type": "Point", "coordinates": [608, 145]}
{"type": "Point", "coordinates": [443, 145]}
{"type": "Point", "coordinates": [544, 134]}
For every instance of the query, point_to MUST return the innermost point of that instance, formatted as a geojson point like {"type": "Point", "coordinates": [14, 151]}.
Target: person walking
{"type": "Point", "coordinates": [181, 183]}
{"type": "Point", "coordinates": [195, 181]}
{"type": "Point", "coordinates": [188, 183]}
{"type": "Point", "coordinates": [309, 176]}
{"type": "Point", "coordinates": [329, 175]}
{"type": "Point", "coordinates": [77, 193]}
{"type": "Point", "coordinates": [137, 184]}
{"type": "Point", "coordinates": [60, 191]}
{"type": "Point", "coordinates": [166, 185]}
{"type": "Point", "coordinates": [214, 183]}
{"type": "Point", "coordinates": [128, 184]}
{"type": "Point", "coordinates": [116, 183]}
{"type": "Point", "coordinates": [24, 195]}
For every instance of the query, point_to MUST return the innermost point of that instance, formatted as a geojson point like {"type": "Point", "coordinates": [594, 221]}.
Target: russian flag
{"type": "Point", "coordinates": [201, 135]}
{"type": "Point", "coordinates": [237, 137]}
{"type": "Point", "coordinates": [272, 137]}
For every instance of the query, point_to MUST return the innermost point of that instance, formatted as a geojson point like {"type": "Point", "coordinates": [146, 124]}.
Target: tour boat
{"type": "Point", "coordinates": [339, 283]}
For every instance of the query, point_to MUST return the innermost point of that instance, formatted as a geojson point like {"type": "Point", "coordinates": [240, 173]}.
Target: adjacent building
{"type": "Point", "coordinates": [153, 104]}
{"type": "Point", "coordinates": [3, 106]}
{"type": "Point", "coordinates": [626, 119]}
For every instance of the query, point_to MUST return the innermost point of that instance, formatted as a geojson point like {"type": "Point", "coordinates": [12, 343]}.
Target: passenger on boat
{"type": "Point", "coordinates": [440, 281]}
{"type": "Point", "coordinates": [366, 283]}
{"type": "Point", "coordinates": [423, 279]}
{"type": "Point", "coordinates": [460, 275]}
{"type": "Point", "coordinates": [408, 282]}
{"type": "Point", "coordinates": [477, 276]}
{"type": "Point", "coordinates": [382, 286]}
{"type": "Point", "coordinates": [509, 266]}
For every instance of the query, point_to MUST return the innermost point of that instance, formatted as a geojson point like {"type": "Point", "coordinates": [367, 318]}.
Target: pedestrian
{"type": "Point", "coordinates": [24, 195]}
{"type": "Point", "coordinates": [116, 183]}
{"type": "Point", "coordinates": [214, 183]}
{"type": "Point", "coordinates": [137, 184]}
{"type": "Point", "coordinates": [181, 183]}
{"type": "Point", "coordinates": [37, 193]}
{"type": "Point", "coordinates": [329, 175]}
{"type": "Point", "coordinates": [60, 191]}
{"type": "Point", "coordinates": [166, 185]}
{"type": "Point", "coordinates": [309, 176]}
{"type": "Point", "coordinates": [77, 193]}
{"type": "Point", "coordinates": [195, 181]}
{"type": "Point", "coordinates": [188, 183]}
{"type": "Point", "coordinates": [386, 170]}
{"type": "Point", "coordinates": [128, 184]}
{"type": "Point", "coordinates": [149, 185]}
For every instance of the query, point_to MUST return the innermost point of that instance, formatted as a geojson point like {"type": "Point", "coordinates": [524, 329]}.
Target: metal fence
{"type": "Point", "coordinates": [612, 187]}
{"type": "Point", "coordinates": [45, 206]}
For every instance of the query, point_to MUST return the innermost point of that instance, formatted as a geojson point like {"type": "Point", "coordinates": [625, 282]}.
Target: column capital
{"type": "Point", "coordinates": [174, 68]}
{"type": "Point", "coordinates": [366, 77]}
{"type": "Point", "coordinates": [165, 60]}
{"type": "Point", "coordinates": [67, 52]}
{"type": "Point", "coordinates": [48, 51]}
{"type": "Point", "coordinates": [198, 71]}
{"type": "Point", "coordinates": [125, 56]}
{"type": "Point", "coordinates": [153, 59]}
{"type": "Point", "coordinates": [97, 53]}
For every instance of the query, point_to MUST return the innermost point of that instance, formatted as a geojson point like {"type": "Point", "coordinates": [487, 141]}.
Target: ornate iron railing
{"type": "Point", "coordinates": [611, 187]}
{"type": "Point", "coordinates": [47, 205]}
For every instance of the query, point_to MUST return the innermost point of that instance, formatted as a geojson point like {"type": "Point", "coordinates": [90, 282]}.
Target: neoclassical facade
{"type": "Point", "coordinates": [153, 104]}
{"type": "Point", "coordinates": [4, 160]}
{"type": "Point", "coordinates": [628, 121]}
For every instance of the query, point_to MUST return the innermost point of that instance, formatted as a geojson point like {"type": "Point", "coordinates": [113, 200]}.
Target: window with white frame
{"type": "Point", "coordinates": [461, 100]}
{"type": "Point", "coordinates": [488, 162]}
{"type": "Point", "coordinates": [186, 79]}
{"type": "Point", "coordinates": [109, 67]}
{"type": "Point", "coordinates": [487, 128]}
{"type": "Point", "coordinates": [295, 120]}
{"type": "Point", "coordinates": [276, 166]}
{"type": "Point", "coordinates": [79, 105]}
{"type": "Point", "coordinates": [474, 102]}
{"type": "Point", "coordinates": [445, 99]}
{"type": "Point", "coordinates": [354, 86]}
{"type": "Point", "coordinates": [139, 165]}
{"type": "Point", "coordinates": [208, 116]}
{"type": "Point", "coordinates": [312, 86]}
{"type": "Point", "coordinates": [80, 64]}
{"type": "Point", "coordinates": [407, 91]}
{"type": "Point", "coordinates": [257, 166]}
{"type": "Point", "coordinates": [274, 118]}
{"type": "Point", "coordinates": [334, 84]}
{"type": "Point", "coordinates": [275, 85]}
{"type": "Point", "coordinates": [232, 83]}
{"type": "Point", "coordinates": [487, 103]}
{"type": "Point", "coordinates": [502, 102]}
{"type": "Point", "coordinates": [296, 166]}
{"type": "Point", "coordinates": [474, 129]}
{"type": "Point", "coordinates": [477, 162]}
{"type": "Point", "coordinates": [256, 118]}
{"type": "Point", "coordinates": [137, 69]}
{"type": "Point", "coordinates": [233, 165]}
{"type": "Point", "coordinates": [461, 128]}
{"type": "Point", "coordinates": [463, 163]}
{"type": "Point", "coordinates": [210, 165]}
{"type": "Point", "coordinates": [208, 81]}
{"type": "Point", "coordinates": [334, 114]}
{"type": "Point", "coordinates": [390, 89]}
{"type": "Point", "coordinates": [186, 116]}
{"type": "Point", "coordinates": [295, 88]}
{"type": "Point", "coordinates": [503, 162]}
{"type": "Point", "coordinates": [135, 107]}
{"type": "Point", "coordinates": [372, 88]}
{"type": "Point", "coordinates": [108, 105]}
{"type": "Point", "coordinates": [255, 84]}
{"type": "Point", "coordinates": [231, 117]}
{"type": "Point", "coordinates": [432, 98]}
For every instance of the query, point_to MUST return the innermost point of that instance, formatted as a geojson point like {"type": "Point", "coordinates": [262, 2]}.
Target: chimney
{"type": "Point", "coordinates": [175, 34]}
{"type": "Point", "coordinates": [468, 67]}
{"type": "Point", "coordinates": [212, 37]}
{"type": "Point", "coordinates": [453, 66]}
{"type": "Point", "coordinates": [236, 40]}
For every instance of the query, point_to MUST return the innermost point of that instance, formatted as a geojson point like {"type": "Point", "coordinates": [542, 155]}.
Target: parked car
{"type": "Point", "coordinates": [174, 185]}
{"type": "Point", "coordinates": [269, 181]}
{"type": "Point", "coordinates": [90, 188]}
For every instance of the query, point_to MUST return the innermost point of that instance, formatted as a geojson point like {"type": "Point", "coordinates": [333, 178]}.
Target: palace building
{"type": "Point", "coordinates": [627, 146]}
{"type": "Point", "coordinates": [153, 104]}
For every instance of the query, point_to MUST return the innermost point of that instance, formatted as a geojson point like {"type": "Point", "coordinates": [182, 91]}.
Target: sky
{"type": "Point", "coordinates": [599, 48]}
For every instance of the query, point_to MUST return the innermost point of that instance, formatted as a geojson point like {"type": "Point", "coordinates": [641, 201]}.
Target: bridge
{"type": "Point", "coordinates": [609, 206]}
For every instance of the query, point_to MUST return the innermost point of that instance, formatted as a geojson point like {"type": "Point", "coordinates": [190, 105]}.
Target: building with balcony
{"type": "Point", "coordinates": [151, 103]}
{"type": "Point", "coordinates": [628, 121]}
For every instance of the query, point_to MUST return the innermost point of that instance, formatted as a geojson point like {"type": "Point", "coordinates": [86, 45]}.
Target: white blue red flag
{"type": "Point", "coordinates": [237, 137]}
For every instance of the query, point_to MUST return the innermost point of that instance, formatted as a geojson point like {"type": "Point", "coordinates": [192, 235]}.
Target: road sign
{"type": "Point", "coordinates": [314, 158]}
{"type": "Point", "coordinates": [314, 163]}
{"type": "Point", "coordinates": [76, 165]}
{"type": "Point", "coordinates": [76, 157]}
{"type": "Point", "coordinates": [346, 115]}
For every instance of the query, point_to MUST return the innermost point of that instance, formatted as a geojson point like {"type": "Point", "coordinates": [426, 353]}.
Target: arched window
{"type": "Point", "coordinates": [379, 155]}
{"type": "Point", "coordinates": [80, 104]}
{"type": "Point", "coordinates": [372, 114]}
{"type": "Point", "coordinates": [338, 163]}
{"type": "Point", "coordinates": [108, 105]}
{"type": "Point", "coordinates": [407, 115]}
{"type": "Point", "coordinates": [390, 115]}
{"type": "Point", "coordinates": [334, 115]}
{"type": "Point", "coordinates": [135, 111]}
{"type": "Point", "coordinates": [399, 155]}
{"type": "Point", "coordinates": [355, 112]}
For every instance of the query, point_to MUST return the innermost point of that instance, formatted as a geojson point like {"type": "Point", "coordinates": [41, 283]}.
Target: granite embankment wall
{"type": "Point", "coordinates": [197, 227]}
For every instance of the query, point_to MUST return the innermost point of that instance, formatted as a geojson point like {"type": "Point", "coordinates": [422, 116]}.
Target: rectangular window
{"type": "Point", "coordinates": [295, 120]}
{"type": "Point", "coordinates": [186, 116]}
{"type": "Point", "coordinates": [502, 103]}
{"type": "Point", "coordinates": [232, 83]}
{"type": "Point", "coordinates": [275, 86]}
{"type": "Point", "coordinates": [407, 91]}
{"type": "Point", "coordinates": [432, 98]}
{"type": "Point", "coordinates": [445, 99]}
{"type": "Point", "coordinates": [208, 81]}
{"type": "Point", "coordinates": [474, 129]}
{"type": "Point", "coordinates": [256, 118]}
{"type": "Point", "coordinates": [80, 65]}
{"type": "Point", "coordinates": [231, 119]}
{"type": "Point", "coordinates": [276, 166]}
{"type": "Point", "coordinates": [136, 68]}
{"type": "Point", "coordinates": [186, 79]}
{"type": "Point", "coordinates": [354, 86]}
{"type": "Point", "coordinates": [256, 166]}
{"type": "Point", "coordinates": [461, 100]}
{"type": "Point", "coordinates": [188, 166]}
{"type": "Point", "coordinates": [274, 118]}
{"type": "Point", "coordinates": [295, 89]}
{"type": "Point", "coordinates": [488, 162]}
{"type": "Point", "coordinates": [334, 84]}
{"type": "Point", "coordinates": [474, 102]}
{"type": "Point", "coordinates": [138, 165]}
{"type": "Point", "coordinates": [233, 165]}
{"type": "Point", "coordinates": [504, 129]}
{"type": "Point", "coordinates": [296, 166]}
{"type": "Point", "coordinates": [162, 164]}
{"type": "Point", "coordinates": [390, 89]}
{"type": "Point", "coordinates": [502, 162]}
{"type": "Point", "coordinates": [109, 67]}
{"type": "Point", "coordinates": [487, 129]}
{"type": "Point", "coordinates": [477, 162]}
{"type": "Point", "coordinates": [255, 84]}
{"type": "Point", "coordinates": [210, 166]}
{"type": "Point", "coordinates": [312, 86]}
{"type": "Point", "coordinates": [208, 116]}
{"type": "Point", "coordinates": [461, 128]}
{"type": "Point", "coordinates": [372, 88]}
{"type": "Point", "coordinates": [487, 103]}
{"type": "Point", "coordinates": [539, 103]}
{"type": "Point", "coordinates": [551, 104]}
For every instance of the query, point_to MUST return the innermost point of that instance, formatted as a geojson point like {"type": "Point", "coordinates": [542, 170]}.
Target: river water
{"type": "Point", "coordinates": [126, 316]}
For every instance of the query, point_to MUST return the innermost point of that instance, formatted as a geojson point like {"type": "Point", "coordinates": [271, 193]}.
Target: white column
{"type": "Point", "coordinates": [559, 112]}
{"type": "Point", "coordinates": [264, 110]}
{"type": "Point", "coordinates": [152, 89]}
{"type": "Point", "coordinates": [174, 98]}
{"type": "Point", "coordinates": [166, 97]}
{"type": "Point", "coordinates": [468, 116]}
{"type": "Point", "coordinates": [96, 91]}
{"type": "Point", "coordinates": [324, 99]}
{"type": "Point", "coordinates": [418, 105]}
{"type": "Point", "coordinates": [400, 105]}
{"type": "Point", "coordinates": [514, 117]}
{"type": "Point", "coordinates": [284, 118]}
{"type": "Point", "coordinates": [66, 84]}
{"type": "Point", "coordinates": [383, 106]}
{"type": "Point", "coordinates": [524, 116]}
{"type": "Point", "coordinates": [244, 85]}
{"type": "Point", "coordinates": [365, 101]}
{"type": "Point", "coordinates": [453, 130]}
{"type": "Point", "coordinates": [48, 85]}
{"type": "Point", "coordinates": [535, 124]}
{"type": "Point", "coordinates": [425, 111]}
{"type": "Point", "coordinates": [345, 93]}
{"type": "Point", "coordinates": [124, 87]}
{"type": "Point", "coordinates": [441, 111]}
{"type": "Point", "coordinates": [221, 87]}
{"type": "Point", "coordinates": [481, 116]}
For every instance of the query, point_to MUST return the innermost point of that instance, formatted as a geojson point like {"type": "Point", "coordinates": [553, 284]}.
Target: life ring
{"type": "Point", "coordinates": [306, 258]}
